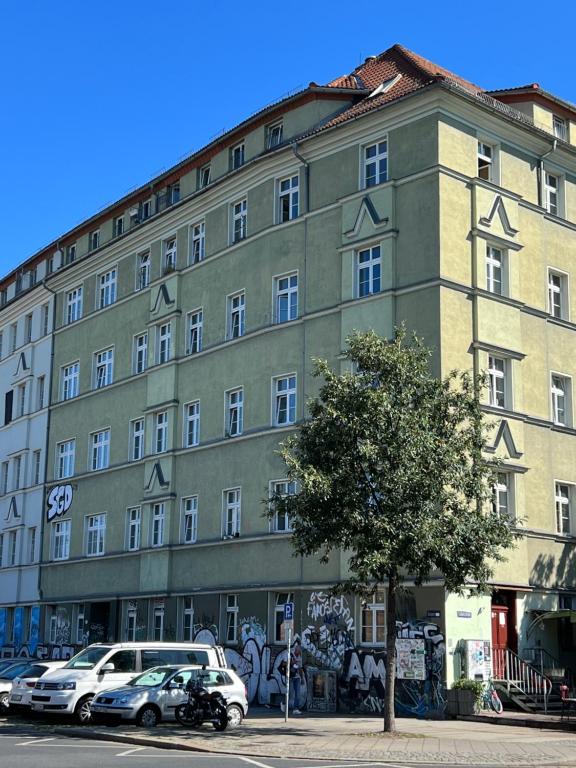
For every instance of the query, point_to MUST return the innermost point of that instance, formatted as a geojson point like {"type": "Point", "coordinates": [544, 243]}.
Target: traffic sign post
{"type": "Point", "coordinates": [288, 625]}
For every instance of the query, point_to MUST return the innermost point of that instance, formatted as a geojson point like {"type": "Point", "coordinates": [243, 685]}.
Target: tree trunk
{"type": "Point", "coordinates": [389, 718]}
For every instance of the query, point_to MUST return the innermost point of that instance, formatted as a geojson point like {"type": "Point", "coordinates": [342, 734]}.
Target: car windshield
{"type": "Point", "coordinates": [88, 658]}
{"type": "Point", "coordinates": [153, 677]}
{"type": "Point", "coordinates": [34, 670]}
{"type": "Point", "coordinates": [14, 671]}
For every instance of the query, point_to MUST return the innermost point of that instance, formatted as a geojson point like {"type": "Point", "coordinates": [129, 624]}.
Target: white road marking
{"type": "Point", "coordinates": [33, 743]}
{"type": "Point", "coordinates": [130, 751]}
{"type": "Point", "coordinates": [254, 762]}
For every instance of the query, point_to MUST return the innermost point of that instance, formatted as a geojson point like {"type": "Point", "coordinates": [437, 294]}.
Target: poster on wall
{"type": "Point", "coordinates": [410, 659]}
{"type": "Point", "coordinates": [477, 659]}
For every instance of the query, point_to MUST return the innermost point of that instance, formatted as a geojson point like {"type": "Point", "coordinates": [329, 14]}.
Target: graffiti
{"type": "Point", "coordinates": [252, 628]}
{"type": "Point", "coordinates": [56, 652]}
{"type": "Point", "coordinates": [330, 635]}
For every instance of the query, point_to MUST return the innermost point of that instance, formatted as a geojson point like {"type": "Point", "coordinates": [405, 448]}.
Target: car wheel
{"type": "Point", "coordinates": [235, 715]}
{"type": "Point", "coordinates": [82, 711]}
{"type": "Point", "coordinates": [148, 717]}
{"type": "Point", "coordinates": [4, 698]}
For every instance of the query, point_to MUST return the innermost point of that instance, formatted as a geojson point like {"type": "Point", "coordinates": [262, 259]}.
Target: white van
{"type": "Point", "coordinates": [102, 666]}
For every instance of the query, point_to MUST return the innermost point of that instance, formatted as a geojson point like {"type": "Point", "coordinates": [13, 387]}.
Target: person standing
{"type": "Point", "coordinates": [296, 679]}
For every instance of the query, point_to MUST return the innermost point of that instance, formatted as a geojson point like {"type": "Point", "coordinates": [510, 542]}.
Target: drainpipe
{"type": "Point", "coordinates": [541, 170]}
{"type": "Point", "coordinates": [306, 165]}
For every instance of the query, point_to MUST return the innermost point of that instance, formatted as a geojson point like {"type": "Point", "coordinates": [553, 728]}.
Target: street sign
{"type": "Point", "coordinates": [288, 611]}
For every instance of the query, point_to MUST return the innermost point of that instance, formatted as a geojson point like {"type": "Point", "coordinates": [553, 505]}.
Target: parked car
{"type": "Point", "coordinates": [23, 684]}
{"type": "Point", "coordinates": [7, 675]}
{"type": "Point", "coordinates": [154, 695]}
{"type": "Point", "coordinates": [102, 666]}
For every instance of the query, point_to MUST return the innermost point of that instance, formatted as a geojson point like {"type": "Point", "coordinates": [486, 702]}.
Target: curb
{"type": "Point", "coordinates": [552, 725]}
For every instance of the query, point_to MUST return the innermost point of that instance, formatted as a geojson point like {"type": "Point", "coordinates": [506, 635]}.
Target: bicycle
{"type": "Point", "coordinates": [490, 698]}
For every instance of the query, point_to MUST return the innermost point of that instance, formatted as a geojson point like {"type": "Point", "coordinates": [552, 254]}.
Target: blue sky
{"type": "Point", "coordinates": [97, 98]}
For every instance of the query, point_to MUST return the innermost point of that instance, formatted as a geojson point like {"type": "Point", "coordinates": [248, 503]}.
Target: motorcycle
{"type": "Point", "coordinates": [202, 706]}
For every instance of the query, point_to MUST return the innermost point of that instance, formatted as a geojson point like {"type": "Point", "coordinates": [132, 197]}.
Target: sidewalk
{"type": "Point", "coordinates": [334, 737]}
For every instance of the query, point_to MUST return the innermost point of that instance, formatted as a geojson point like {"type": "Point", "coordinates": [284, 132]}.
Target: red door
{"type": "Point", "coordinates": [499, 640]}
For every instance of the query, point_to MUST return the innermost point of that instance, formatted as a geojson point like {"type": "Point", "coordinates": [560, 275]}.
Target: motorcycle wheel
{"type": "Point", "coordinates": [185, 715]}
{"type": "Point", "coordinates": [222, 723]}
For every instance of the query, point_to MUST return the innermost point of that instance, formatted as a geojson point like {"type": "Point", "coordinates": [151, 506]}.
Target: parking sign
{"type": "Point", "coordinates": [288, 611]}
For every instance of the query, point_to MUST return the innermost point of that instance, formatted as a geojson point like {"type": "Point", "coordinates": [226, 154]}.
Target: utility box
{"type": "Point", "coordinates": [477, 659]}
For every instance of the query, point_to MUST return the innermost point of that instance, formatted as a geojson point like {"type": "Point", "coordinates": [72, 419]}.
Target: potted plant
{"type": "Point", "coordinates": [465, 697]}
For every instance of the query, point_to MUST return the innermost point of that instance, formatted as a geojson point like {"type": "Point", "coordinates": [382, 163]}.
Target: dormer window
{"type": "Point", "coordinates": [559, 128]}
{"type": "Point", "coordinates": [237, 156]}
{"type": "Point", "coordinates": [204, 176]}
{"type": "Point", "coordinates": [273, 135]}
{"type": "Point", "coordinates": [94, 239]}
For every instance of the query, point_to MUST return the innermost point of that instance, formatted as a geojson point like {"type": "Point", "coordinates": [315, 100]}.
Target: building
{"type": "Point", "coordinates": [186, 317]}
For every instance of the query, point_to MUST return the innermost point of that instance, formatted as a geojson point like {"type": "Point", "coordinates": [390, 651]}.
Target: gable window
{"type": "Point", "coordinates": [161, 432]}
{"type": "Point", "coordinates": [173, 193]}
{"type": "Point", "coordinates": [561, 393]}
{"type": "Point", "coordinates": [234, 412]}
{"type": "Point", "coordinates": [118, 226]}
{"type": "Point", "coordinates": [107, 290]}
{"type": "Point", "coordinates": [239, 220]}
{"type": "Point", "coordinates": [94, 240]}
{"type": "Point", "coordinates": [65, 459]}
{"type": "Point", "coordinates": [237, 156]}
{"type": "Point", "coordinates": [197, 238]}
{"type": "Point", "coordinates": [374, 619]}
{"type": "Point", "coordinates": [558, 294]}
{"type": "Point", "coordinates": [192, 424]}
{"type": "Point", "coordinates": [563, 500]}
{"type": "Point", "coordinates": [375, 165]}
{"type": "Point", "coordinates": [146, 209]}
{"type": "Point", "coordinates": [74, 305]}
{"type": "Point", "coordinates": [137, 439]}
{"type": "Point", "coordinates": [143, 270]}
{"type": "Point", "coordinates": [194, 332]}
{"type": "Point", "coordinates": [190, 519]}
{"type": "Point", "coordinates": [502, 495]}
{"type": "Point", "coordinates": [286, 298]}
{"type": "Point", "coordinates": [485, 161]}
{"type": "Point", "coordinates": [170, 251]}
{"type": "Point", "coordinates": [164, 342]}
{"type": "Point", "coordinates": [236, 315]}
{"type": "Point", "coordinates": [559, 128]}
{"type": "Point", "coordinates": [494, 270]}
{"type": "Point", "coordinates": [232, 509]}
{"type": "Point", "coordinates": [288, 198]}
{"type": "Point", "coordinates": [140, 361]}
{"type": "Point", "coordinates": [70, 376]}
{"type": "Point", "coordinates": [231, 618]}
{"type": "Point", "coordinates": [284, 400]}
{"type": "Point", "coordinates": [551, 188]}
{"type": "Point", "coordinates": [100, 450]}
{"type": "Point", "coordinates": [70, 253]}
{"type": "Point", "coordinates": [103, 368]}
{"type": "Point", "coordinates": [204, 176]}
{"type": "Point", "coordinates": [273, 135]}
{"type": "Point", "coordinates": [368, 271]}
{"type": "Point", "coordinates": [281, 599]}
{"type": "Point", "coordinates": [280, 523]}
{"type": "Point", "coordinates": [158, 520]}
{"type": "Point", "coordinates": [95, 535]}
{"type": "Point", "coordinates": [61, 540]}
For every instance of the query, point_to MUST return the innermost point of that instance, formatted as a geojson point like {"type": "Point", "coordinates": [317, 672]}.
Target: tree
{"type": "Point", "coordinates": [390, 468]}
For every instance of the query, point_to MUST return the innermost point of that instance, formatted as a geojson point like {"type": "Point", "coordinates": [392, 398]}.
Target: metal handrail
{"type": "Point", "coordinates": [509, 668]}
{"type": "Point", "coordinates": [542, 659]}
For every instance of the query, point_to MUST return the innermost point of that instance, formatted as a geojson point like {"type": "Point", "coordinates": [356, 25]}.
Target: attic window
{"type": "Point", "coordinates": [385, 86]}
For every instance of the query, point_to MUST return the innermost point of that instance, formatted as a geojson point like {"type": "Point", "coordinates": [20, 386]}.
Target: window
{"type": "Point", "coordinates": [159, 623]}
{"type": "Point", "coordinates": [231, 618]}
{"type": "Point", "coordinates": [197, 240]}
{"type": "Point", "coordinates": [559, 128]}
{"type": "Point", "coordinates": [288, 199]}
{"type": "Point", "coordinates": [65, 453]}
{"type": "Point", "coordinates": [137, 439]}
{"type": "Point", "coordinates": [281, 599]}
{"type": "Point", "coordinates": [80, 624]}
{"type": "Point", "coordinates": [376, 163]}
{"type": "Point", "coordinates": [53, 628]}
{"type": "Point", "coordinates": [131, 619]}
{"type": "Point", "coordinates": [194, 332]}
{"type": "Point", "coordinates": [170, 252]}
{"type": "Point", "coordinates": [236, 315]}
{"type": "Point", "coordinates": [190, 520]}
{"type": "Point", "coordinates": [188, 619]}
{"type": "Point", "coordinates": [502, 495]}
{"type": "Point", "coordinates": [285, 298]}
{"type": "Point", "coordinates": [94, 240]}
{"type": "Point", "coordinates": [232, 508]}
{"type": "Point", "coordinates": [558, 294]}
{"type": "Point", "coordinates": [158, 519]}
{"type": "Point", "coordinates": [164, 339]}
{"type": "Point", "coordinates": [551, 185]}
{"type": "Point", "coordinates": [61, 540]}
{"type": "Point", "coordinates": [237, 155]}
{"type": "Point", "coordinates": [107, 290]}
{"type": "Point", "coordinates": [36, 467]}
{"type": "Point", "coordinates": [192, 424]}
{"type": "Point", "coordinates": [95, 535]}
{"type": "Point", "coordinates": [494, 270]}
{"type": "Point", "coordinates": [563, 498]}
{"type": "Point", "coordinates": [273, 135]}
{"type": "Point", "coordinates": [32, 545]}
{"type": "Point", "coordinates": [280, 523]}
{"type": "Point", "coordinates": [45, 319]}
{"type": "Point", "coordinates": [70, 376]}
{"type": "Point", "coordinates": [118, 226]}
{"type": "Point", "coordinates": [40, 391]}
{"type": "Point", "coordinates": [13, 336]}
{"type": "Point", "coordinates": [4, 478]}
{"type": "Point", "coordinates": [146, 209]}
{"type": "Point", "coordinates": [284, 400]}
{"type": "Point", "coordinates": [142, 270]}
{"type": "Point", "coordinates": [21, 400]}
{"type": "Point", "coordinates": [561, 392]}
{"type": "Point", "coordinates": [368, 269]}
{"type": "Point", "coordinates": [161, 432]}
{"type": "Point", "coordinates": [485, 161]}
{"type": "Point", "coordinates": [234, 412]}
{"type": "Point", "coordinates": [134, 527]}
{"type": "Point", "coordinates": [100, 450]}
{"type": "Point", "coordinates": [12, 547]}
{"type": "Point", "coordinates": [70, 253]}
{"type": "Point", "coordinates": [28, 329]}
{"type": "Point", "coordinates": [103, 368]}
{"type": "Point", "coordinates": [140, 359]}
{"type": "Point", "coordinates": [239, 220]}
{"type": "Point", "coordinates": [374, 619]}
{"type": "Point", "coordinates": [17, 473]}
{"type": "Point", "coordinates": [497, 381]}
{"type": "Point", "coordinates": [204, 176]}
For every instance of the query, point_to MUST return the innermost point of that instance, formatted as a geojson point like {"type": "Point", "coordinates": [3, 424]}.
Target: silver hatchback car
{"type": "Point", "coordinates": [154, 695]}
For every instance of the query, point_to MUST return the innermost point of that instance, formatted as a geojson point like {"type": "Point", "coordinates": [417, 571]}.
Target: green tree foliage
{"type": "Point", "coordinates": [390, 468]}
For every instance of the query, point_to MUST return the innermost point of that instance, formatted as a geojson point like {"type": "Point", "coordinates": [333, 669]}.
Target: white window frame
{"type": "Point", "coordinates": [368, 267]}
{"type": "Point", "coordinates": [234, 412]}
{"type": "Point", "coordinates": [21, 391]}
{"type": "Point", "coordinates": [36, 467]}
{"type": "Point", "coordinates": [194, 326]}
{"type": "Point", "coordinates": [104, 368]}
{"type": "Point", "coordinates": [160, 432]}
{"type": "Point", "coordinates": [237, 156]}
{"type": "Point", "coordinates": [60, 539]}
{"type": "Point", "coordinates": [45, 319]}
{"type": "Point", "coordinates": [40, 391]}
{"type": "Point", "coordinates": [70, 380]}
{"type": "Point", "coordinates": [485, 161]}
{"type": "Point", "coordinates": [95, 534]}
{"type": "Point", "coordinates": [204, 176]}
{"type": "Point", "coordinates": [286, 298]}
{"type": "Point", "coordinates": [503, 495]}
{"type": "Point", "coordinates": [559, 127]}
{"type": "Point", "coordinates": [274, 134]}
{"type": "Point", "coordinates": [73, 305]}
{"type": "Point", "coordinates": [118, 226]}
{"type": "Point", "coordinates": [65, 458]}
{"type": "Point", "coordinates": [236, 315]}
{"type": "Point", "coordinates": [99, 450]}
{"type": "Point", "coordinates": [133, 528]}
{"type": "Point", "coordinates": [558, 294]}
{"type": "Point", "coordinates": [147, 208]}
{"type": "Point", "coordinates": [131, 624]}
{"type": "Point", "coordinates": [371, 631]}
{"type": "Point", "coordinates": [239, 212]}
{"type": "Point", "coordinates": [561, 399]}
{"type": "Point", "coordinates": [158, 623]}
{"type": "Point", "coordinates": [197, 242]}
{"type": "Point", "coordinates": [288, 193]}
{"type": "Point", "coordinates": [12, 548]}
{"type": "Point", "coordinates": [188, 619]}
{"type": "Point", "coordinates": [191, 435]}
{"type": "Point", "coordinates": [137, 434]}
{"type": "Point", "coordinates": [107, 284]}
{"type": "Point", "coordinates": [140, 353]}
{"type": "Point", "coordinates": [28, 328]}
{"type": "Point", "coordinates": [284, 400]}
{"type": "Point", "coordinates": [280, 523]}
{"type": "Point", "coordinates": [170, 253]}
{"type": "Point", "coordinates": [496, 272]}
{"type": "Point", "coordinates": [17, 472]}
{"type": "Point", "coordinates": [231, 512]}
{"type": "Point", "coordinates": [158, 524]}
{"type": "Point", "coordinates": [498, 381]}
{"type": "Point", "coordinates": [232, 610]}
{"type": "Point", "coordinates": [375, 163]}
{"type": "Point", "coordinates": [563, 502]}
{"type": "Point", "coordinates": [552, 190]}
{"type": "Point", "coordinates": [142, 270]}
{"type": "Point", "coordinates": [164, 342]}
{"type": "Point", "coordinates": [189, 520]}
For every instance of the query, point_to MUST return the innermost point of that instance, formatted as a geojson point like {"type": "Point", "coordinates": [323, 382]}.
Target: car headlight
{"type": "Point", "coordinates": [124, 700]}
{"type": "Point", "coordinates": [66, 686]}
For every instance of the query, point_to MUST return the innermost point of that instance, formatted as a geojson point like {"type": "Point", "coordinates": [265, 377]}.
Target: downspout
{"type": "Point", "coordinates": [306, 165]}
{"type": "Point", "coordinates": [540, 171]}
